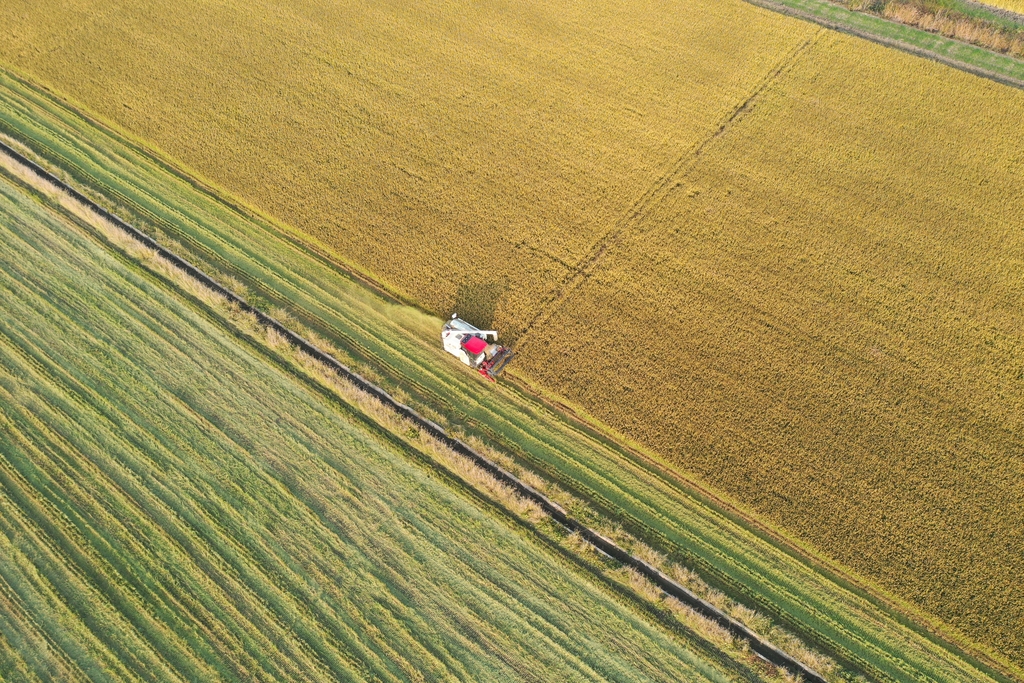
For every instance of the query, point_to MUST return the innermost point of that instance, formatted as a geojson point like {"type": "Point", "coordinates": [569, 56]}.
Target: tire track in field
{"type": "Point", "coordinates": [669, 586]}
{"type": "Point", "coordinates": [657, 191]}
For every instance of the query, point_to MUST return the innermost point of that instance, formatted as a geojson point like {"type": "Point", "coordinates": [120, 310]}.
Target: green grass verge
{"type": "Point", "coordinates": [175, 507]}
{"type": "Point", "coordinates": [870, 25]}
{"type": "Point", "coordinates": [400, 346]}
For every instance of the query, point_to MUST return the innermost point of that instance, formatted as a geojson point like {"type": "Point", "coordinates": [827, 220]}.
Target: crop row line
{"type": "Point", "coordinates": [223, 572]}
{"type": "Point", "coordinates": [738, 630]}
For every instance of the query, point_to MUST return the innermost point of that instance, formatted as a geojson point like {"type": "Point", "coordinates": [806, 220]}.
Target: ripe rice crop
{"type": "Point", "coordinates": [824, 316]}
{"type": "Point", "coordinates": [789, 344]}
{"type": "Point", "coordinates": [386, 131]}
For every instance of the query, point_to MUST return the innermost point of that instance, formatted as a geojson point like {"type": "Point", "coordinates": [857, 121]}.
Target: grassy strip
{"type": "Point", "coordinates": [981, 11]}
{"type": "Point", "coordinates": [974, 59]}
{"type": "Point", "coordinates": [955, 19]}
{"type": "Point", "coordinates": [400, 344]}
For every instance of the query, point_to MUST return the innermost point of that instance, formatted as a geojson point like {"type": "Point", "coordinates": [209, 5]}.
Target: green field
{"type": "Point", "coordinates": [174, 505]}
{"type": "Point", "coordinates": [397, 345]}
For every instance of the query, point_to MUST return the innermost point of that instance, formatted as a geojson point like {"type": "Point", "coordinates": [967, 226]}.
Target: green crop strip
{"type": "Point", "coordinates": [176, 508]}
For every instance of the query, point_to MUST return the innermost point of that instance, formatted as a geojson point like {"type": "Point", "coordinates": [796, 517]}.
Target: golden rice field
{"type": "Point", "coordinates": [787, 260]}
{"type": "Point", "coordinates": [1012, 5]}
{"type": "Point", "coordinates": [483, 145]}
{"type": "Point", "coordinates": [824, 316]}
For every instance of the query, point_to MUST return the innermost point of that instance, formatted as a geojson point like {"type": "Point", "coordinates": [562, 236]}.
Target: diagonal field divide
{"type": "Point", "coordinates": [658, 190]}
{"type": "Point", "coordinates": [762, 648]}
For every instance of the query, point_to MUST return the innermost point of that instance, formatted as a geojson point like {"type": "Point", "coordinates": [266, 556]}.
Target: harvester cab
{"type": "Point", "coordinates": [471, 346]}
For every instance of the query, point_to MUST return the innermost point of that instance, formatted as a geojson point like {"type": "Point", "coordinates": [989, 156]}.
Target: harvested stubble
{"type": "Point", "coordinates": [173, 507]}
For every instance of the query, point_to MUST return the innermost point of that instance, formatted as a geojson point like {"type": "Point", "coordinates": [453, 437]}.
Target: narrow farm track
{"type": "Point", "coordinates": [657, 191]}
{"type": "Point", "coordinates": [883, 31]}
{"type": "Point", "coordinates": [764, 649]}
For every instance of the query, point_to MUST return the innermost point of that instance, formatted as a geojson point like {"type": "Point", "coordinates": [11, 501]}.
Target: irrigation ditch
{"type": "Point", "coordinates": [669, 586]}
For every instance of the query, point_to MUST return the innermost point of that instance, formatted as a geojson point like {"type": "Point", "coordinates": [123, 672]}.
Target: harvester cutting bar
{"type": "Point", "coordinates": [494, 366]}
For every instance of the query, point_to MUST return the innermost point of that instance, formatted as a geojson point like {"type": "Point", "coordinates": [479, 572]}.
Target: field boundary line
{"type": "Point", "coordinates": [738, 630]}
{"type": "Point", "coordinates": [779, 7]}
{"type": "Point", "coordinates": [657, 191]}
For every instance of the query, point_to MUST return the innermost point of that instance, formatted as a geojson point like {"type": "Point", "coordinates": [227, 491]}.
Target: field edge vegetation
{"type": "Point", "coordinates": [989, 30]}
{"type": "Point", "coordinates": [480, 474]}
{"type": "Point", "coordinates": [982, 46]}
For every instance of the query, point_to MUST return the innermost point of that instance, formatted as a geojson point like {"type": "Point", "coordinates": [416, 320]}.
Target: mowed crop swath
{"type": "Point", "coordinates": [834, 346]}
{"type": "Point", "coordinates": [174, 507]}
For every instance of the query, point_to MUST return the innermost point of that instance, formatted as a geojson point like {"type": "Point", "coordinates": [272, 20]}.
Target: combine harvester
{"type": "Point", "coordinates": [470, 345]}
